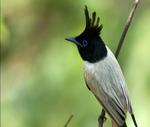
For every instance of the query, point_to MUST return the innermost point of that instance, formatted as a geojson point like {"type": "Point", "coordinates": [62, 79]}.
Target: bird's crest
{"type": "Point", "coordinates": [92, 24]}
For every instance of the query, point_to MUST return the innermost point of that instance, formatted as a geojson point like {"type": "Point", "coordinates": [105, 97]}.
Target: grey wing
{"type": "Point", "coordinates": [108, 85]}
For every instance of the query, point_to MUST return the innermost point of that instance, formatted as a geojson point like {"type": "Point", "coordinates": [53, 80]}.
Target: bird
{"type": "Point", "coordinates": [102, 72]}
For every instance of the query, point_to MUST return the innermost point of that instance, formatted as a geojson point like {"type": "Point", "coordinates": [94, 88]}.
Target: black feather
{"type": "Point", "coordinates": [133, 118]}
{"type": "Point", "coordinates": [124, 125]}
{"type": "Point", "coordinates": [91, 27]}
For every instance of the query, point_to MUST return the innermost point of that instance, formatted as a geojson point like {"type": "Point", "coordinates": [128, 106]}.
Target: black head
{"type": "Point", "coordinates": [89, 43]}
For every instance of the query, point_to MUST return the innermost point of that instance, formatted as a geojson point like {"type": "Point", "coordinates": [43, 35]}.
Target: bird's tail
{"type": "Point", "coordinates": [115, 125]}
{"type": "Point", "coordinates": [124, 125]}
{"type": "Point", "coordinates": [132, 115]}
{"type": "Point", "coordinates": [134, 121]}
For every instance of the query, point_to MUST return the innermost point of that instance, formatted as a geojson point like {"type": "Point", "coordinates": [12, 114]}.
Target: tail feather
{"type": "Point", "coordinates": [134, 121]}
{"type": "Point", "coordinates": [124, 125]}
{"type": "Point", "coordinates": [115, 125]}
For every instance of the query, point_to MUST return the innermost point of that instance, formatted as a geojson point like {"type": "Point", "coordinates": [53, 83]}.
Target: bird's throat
{"type": "Point", "coordinates": [93, 53]}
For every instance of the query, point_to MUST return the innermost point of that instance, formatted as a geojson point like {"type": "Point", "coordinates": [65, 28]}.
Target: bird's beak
{"type": "Point", "coordinates": [73, 40]}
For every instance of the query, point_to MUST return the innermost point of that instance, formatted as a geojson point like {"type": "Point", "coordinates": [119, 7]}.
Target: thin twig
{"type": "Point", "coordinates": [128, 22]}
{"type": "Point", "coordinates": [101, 118]}
{"type": "Point", "coordinates": [68, 121]}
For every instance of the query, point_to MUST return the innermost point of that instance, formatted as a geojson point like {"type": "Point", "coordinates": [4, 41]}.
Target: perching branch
{"type": "Point", "coordinates": [68, 121]}
{"type": "Point", "coordinates": [128, 22]}
{"type": "Point", "coordinates": [102, 117]}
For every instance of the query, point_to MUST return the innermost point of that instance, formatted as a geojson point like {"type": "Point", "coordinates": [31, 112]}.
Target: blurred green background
{"type": "Point", "coordinates": [41, 73]}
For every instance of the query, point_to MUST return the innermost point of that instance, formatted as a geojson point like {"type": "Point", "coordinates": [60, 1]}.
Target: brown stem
{"type": "Point", "coordinates": [68, 121]}
{"type": "Point", "coordinates": [125, 30]}
{"type": "Point", "coordinates": [101, 118]}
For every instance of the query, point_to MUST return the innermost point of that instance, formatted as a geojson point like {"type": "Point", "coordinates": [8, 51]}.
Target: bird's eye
{"type": "Point", "coordinates": [84, 43]}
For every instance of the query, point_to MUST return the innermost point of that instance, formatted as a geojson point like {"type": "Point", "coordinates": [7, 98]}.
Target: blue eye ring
{"type": "Point", "coordinates": [84, 43]}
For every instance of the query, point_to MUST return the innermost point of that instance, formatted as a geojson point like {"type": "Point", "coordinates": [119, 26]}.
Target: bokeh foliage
{"type": "Point", "coordinates": [41, 74]}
